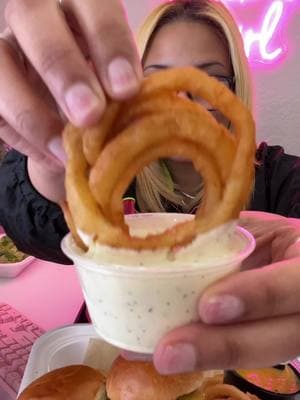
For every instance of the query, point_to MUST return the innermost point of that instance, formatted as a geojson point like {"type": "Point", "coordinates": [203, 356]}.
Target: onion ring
{"type": "Point", "coordinates": [157, 123]}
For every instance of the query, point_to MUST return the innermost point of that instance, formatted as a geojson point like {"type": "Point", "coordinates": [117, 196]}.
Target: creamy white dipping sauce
{"type": "Point", "coordinates": [135, 297]}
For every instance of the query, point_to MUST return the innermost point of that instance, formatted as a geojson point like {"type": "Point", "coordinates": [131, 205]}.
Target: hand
{"type": "Point", "coordinates": [250, 319]}
{"type": "Point", "coordinates": [46, 75]}
{"type": "Point", "coordinates": [275, 237]}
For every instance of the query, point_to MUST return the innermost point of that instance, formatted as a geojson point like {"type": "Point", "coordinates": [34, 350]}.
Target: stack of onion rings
{"type": "Point", "coordinates": [157, 123]}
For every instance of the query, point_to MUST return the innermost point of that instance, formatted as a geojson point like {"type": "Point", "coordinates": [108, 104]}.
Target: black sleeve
{"type": "Point", "coordinates": [35, 224]}
{"type": "Point", "coordinates": [277, 186]}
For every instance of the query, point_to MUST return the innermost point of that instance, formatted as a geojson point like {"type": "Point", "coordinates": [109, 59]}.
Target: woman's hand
{"type": "Point", "coordinates": [250, 319]}
{"type": "Point", "coordinates": [60, 60]}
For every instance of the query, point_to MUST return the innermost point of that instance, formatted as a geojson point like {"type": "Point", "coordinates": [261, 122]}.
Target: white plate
{"type": "Point", "coordinates": [58, 348]}
{"type": "Point", "coordinates": [11, 270]}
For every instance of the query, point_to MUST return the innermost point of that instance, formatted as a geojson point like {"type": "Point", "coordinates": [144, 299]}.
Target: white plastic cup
{"type": "Point", "coordinates": [133, 306]}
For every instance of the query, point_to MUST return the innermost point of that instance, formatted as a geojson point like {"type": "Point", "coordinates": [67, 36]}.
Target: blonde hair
{"type": "Point", "coordinates": [154, 184]}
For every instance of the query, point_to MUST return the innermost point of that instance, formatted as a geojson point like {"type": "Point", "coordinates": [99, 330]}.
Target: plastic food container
{"type": "Point", "coordinates": [135, 298]}
{"type": "Point", "coordinates": [58, 348]}
{"type": "Point", "coordinates": [11, 270]}
{"type": "Point", "coordinates": [69, 345]}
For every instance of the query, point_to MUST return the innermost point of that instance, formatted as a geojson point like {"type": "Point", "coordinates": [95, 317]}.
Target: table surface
{"type": "Point", "coordinates": [48, 294]}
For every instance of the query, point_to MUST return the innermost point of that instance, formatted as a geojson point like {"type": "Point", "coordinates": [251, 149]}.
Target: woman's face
{"type": "Point", "coordinates": [190, 43]}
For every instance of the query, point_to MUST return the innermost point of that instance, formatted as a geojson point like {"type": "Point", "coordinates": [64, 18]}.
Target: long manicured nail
{"type": "Point", "coordinates": [55, 146]}
{"type": "Point", "coordinates": [176, 359]}
{"type": "Point", "coordinates": [122, 76]}
{"type": "Point", "coordinates": [221, 309]}
{"type": "Point", "coordinates": [83, 104]}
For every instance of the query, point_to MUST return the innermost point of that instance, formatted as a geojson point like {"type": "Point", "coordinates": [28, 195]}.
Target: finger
{"type": "Point", "coordinates": [284, 238]}
{"type": "Point", "coordinates": [9, 38]}
{"type": "Point", "coordinates": [295, 222]}
{"type": "Point", "coordinates": [248, 345]}
{"type": "Point", "coordinates": [34, 127]}
{"type": "Point", "coordinates": [293, 250]}
{"type": "Point", "coordinates": [17, 142]}
{"type": "Point", "coordinates": [259, 216]}
{"type": "Point", "coordinates": [269, 247]}
{"type": "Point", "coordinates": [111, 45]}
{"type": "Point", "coordinates": [274, 240]}
{"type": "Point", "coordinates": [274, 236]}
{"type": "Point", "coordinates": [259, 227]}
{"type": "Point", "coordinates": [259, 258]}
{"type": "Point", "coordinates": [57, 58]}
{"type": "Point", "coordinates": [251, 295]}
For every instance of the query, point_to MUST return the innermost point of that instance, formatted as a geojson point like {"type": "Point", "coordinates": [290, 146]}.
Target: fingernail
{"type": "Point", "coordinates": [122, 76]}
{"type": "Point", "coordinates": [55, 146]}
{"type": "Point", "coordinates": [83, 105]}
{"type": "Point", "coordinates": [221, 309]}
{"type": "Point", "coordinates": [177, 358]}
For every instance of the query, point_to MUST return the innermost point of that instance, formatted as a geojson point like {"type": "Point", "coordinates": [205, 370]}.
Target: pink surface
{"type": "Point", "coordinates": [48, 294]}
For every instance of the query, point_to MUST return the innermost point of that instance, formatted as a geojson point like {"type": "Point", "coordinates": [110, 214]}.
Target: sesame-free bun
{"type": "Point", "coordinates": [137, 380]}
{"type": "Point", "coordinates": [76, 382]}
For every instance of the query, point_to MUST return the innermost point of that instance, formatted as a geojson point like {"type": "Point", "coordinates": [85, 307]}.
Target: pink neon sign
{"type": "Point", "coordinates": [263, 25]}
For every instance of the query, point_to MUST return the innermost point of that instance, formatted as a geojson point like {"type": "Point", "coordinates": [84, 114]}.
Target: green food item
{"type": "Point", "coordinates": [9, 252]}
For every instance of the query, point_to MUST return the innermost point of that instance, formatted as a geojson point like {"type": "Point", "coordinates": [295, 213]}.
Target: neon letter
{"type": "Point", "coordinates": [269, 26]}
{"type": "Point", "coordinates": [264, 37]}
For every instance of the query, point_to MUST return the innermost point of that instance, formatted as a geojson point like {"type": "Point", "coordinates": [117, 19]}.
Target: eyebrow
{"type": "Point", "coordinates": [200, 66]}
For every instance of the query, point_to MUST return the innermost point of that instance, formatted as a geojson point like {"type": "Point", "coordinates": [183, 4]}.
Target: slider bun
{"type": "Point", "coordinates": [137, 380]}
{"type": "Point", "coordinates": [76, 382]}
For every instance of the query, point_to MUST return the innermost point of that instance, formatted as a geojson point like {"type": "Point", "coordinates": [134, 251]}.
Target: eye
{"type": "Point", "coordinates": [228, 81]}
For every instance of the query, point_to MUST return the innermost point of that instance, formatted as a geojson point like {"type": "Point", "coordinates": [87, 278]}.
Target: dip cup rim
{"type": "Point", "coordinates": [81, 261]}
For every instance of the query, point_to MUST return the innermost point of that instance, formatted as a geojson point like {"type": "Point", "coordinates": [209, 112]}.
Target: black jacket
{"type": "Point", "coordinates": [37, 225]}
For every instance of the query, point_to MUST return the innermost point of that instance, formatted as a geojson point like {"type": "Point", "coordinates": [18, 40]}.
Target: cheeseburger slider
{"type": "Point", "coordinates": [75, 382]}
{"type": "Point", "coordinates": [126, 380]}
{"type": "Point", "coordinates": [137, 380]}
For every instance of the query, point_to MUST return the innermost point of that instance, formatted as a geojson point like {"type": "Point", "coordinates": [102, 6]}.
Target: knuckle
{"type": "Point", "coordinates": [17, 142]}
{"type": "Point", "coordinates": [53, 57]}
{"type": "Point", "coordinates": [232, 352]}
{"type": "Point", "coordinates": [270, 300]}
{"type": "Point", "coordinates": [118, 34]}
{"type": "Point", "coordinates": [36, 124]}
{"type": "Point", "coordinates": [10, 137]}
{"type": "Point", "coordinates": [25, 121]}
